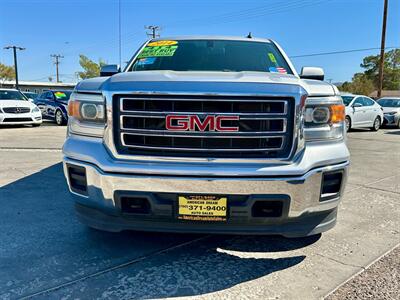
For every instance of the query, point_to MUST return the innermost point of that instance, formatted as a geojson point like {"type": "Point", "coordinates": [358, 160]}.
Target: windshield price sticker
{"type": "Point", "coordinates": [272, 57]}
{"type": "Point", "coordinates": [202, 208]}
{"type": "Point", "coordinates": [162, 43]}
{"type": "Point", "coordinates": [60, 95]}
{"type": "Point", "coordinates": [158, 51]}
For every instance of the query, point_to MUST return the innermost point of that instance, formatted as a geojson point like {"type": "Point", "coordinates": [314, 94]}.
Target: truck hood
{"type": "Point", "coordinates": [123, 80]}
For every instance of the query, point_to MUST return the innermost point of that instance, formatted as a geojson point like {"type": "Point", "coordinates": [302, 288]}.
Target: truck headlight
{"type": "Point", "coordinates": [324, 118]}
{"type": "Point", "coordinates": [86, 114]}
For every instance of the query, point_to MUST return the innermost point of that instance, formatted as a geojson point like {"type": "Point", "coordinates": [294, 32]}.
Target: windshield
{"type": "Point", "coordinates": [347, 100]}
{"type": "Point", "coordinates": [62, 95]}
{"type": "Point", "coordinates": [211, 55]}
{"type": "Point", "coordinates": [389, 102]}
{"type": "Point", "coordinates": [12, 95]}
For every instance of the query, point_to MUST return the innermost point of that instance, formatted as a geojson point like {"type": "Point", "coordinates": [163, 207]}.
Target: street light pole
{"type": "Point", "coordinates": [15, 48]}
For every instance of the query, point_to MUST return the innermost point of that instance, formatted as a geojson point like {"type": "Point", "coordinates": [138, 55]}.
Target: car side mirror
{"type": "Point", "coordinates": [30, 100]}
{"type": "Point", "coordinates": [109, 70]}
{"type": "Point", "coordinates": [357, 105]}
{"type": "Point", "coordinates": [312, 73]}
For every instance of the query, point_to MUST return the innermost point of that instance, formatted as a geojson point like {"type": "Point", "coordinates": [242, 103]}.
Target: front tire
{"type": "Point", "coordinates": [377, 124]}
{"type": "Point", "coordinates": [59, 118]}
{"type": "Point", "coordinates": [347, 122]}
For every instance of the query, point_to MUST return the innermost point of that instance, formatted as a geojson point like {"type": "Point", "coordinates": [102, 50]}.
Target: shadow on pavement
{"type": "Point", "coordinates": [397, 132]}
{"type": "Point", "coordinates": [44, 246]}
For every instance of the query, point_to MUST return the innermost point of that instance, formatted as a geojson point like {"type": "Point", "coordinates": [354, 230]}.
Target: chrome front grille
{"type": "Point", "coordinates": [265, 126]}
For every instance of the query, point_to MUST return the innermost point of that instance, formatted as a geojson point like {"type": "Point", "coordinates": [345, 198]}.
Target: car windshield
{"type": "Point", "coordinates": [62, 95]}
{"type": "Point", "coordinates": [347, 100]}
{"type": "Point", "coordinates": [12, 95]}
{"type": "Point", "coordinates": [211, 55]}
{"type": "Point", "coordinates": [389, 102]}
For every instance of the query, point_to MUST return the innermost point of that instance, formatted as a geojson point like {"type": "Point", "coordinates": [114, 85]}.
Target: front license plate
{"type": "Point", "coordinates": [202, 208]}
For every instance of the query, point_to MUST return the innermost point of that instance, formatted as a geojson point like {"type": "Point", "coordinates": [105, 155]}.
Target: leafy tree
{"type": "Point", "coordinates": [6, 72]}
{"type": "Point", "coordinates": [366, 82]}
{"type": "Point", "coordinates": [360, 84]}
{"type": "Point", "coordinates": [91, 68]}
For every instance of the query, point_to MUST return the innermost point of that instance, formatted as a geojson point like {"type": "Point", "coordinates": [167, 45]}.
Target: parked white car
{"type": "Point", "coordinates": [15, 109]}
{"type": "Point", "coordinates": [391, 110]}
{"type": "Point", "coordinates": [362, 112]}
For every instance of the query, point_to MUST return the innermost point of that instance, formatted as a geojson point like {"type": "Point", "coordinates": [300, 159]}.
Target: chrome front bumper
{"type": "Point", "coordinates": [302, 189]}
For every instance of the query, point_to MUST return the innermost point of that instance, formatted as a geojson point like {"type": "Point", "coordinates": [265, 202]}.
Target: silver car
{"type": "Point", "coordinates": [362, 112]}
{"type": "Point", "coordinates": [391, 110]}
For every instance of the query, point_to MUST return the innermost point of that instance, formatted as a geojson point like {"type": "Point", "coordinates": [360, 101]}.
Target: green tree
{"type": "Point", "coordinates": [366, 82]}
{"type": "Point", "coordinates": [6, 72]}
{"type": "Point", "coordinates": [391, 69]}
{"type": "Point", "coordinates": [360, 84]}
{"type": "Point", "coordinates": [90, 68]}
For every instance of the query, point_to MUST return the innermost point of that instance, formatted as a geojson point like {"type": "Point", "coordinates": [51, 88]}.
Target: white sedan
{"type": "Point", "coordinates": [362, 112]}
{"type": "Point", "coordinates": [16, 109]}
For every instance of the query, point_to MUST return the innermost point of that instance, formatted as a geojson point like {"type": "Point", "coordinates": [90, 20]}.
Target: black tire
{"type": "Point", "coordinates": [59, 118]}
{"type": "Point", "coordinates": [347, 122]}
{"type": "Point", "coordinates": [377, 124]}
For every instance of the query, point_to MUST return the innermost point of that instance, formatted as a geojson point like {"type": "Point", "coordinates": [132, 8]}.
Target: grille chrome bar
{"type": "Point", "coordinates": [202, 149]}
{"type": "Point", "coordinates": [284, 102]}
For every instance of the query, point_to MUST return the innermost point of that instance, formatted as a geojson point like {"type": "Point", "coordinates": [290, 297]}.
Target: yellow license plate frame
{"type": "Point", "coordinates": [202, 208]}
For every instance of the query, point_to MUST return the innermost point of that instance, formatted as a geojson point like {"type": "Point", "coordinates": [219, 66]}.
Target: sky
{"type": "Point", "coordinates": [91, 27]}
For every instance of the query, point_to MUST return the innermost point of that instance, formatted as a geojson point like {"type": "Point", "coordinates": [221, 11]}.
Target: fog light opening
{"type": "Point", "coordinates": [331, 185]}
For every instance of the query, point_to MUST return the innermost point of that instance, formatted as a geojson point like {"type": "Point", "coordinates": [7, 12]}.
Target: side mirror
{"type": "Point", "coordinates": [109, 70]}
{"type": "Point", "coordinates": [312, 73]}
{"type": "Point", "coordinates": [30, 100]}
{"type": "Point", "coordinates": [357, 105]}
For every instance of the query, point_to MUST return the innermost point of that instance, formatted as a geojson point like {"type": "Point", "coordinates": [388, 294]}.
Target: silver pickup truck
{"type": "Point", "coordinates": [208, 135]}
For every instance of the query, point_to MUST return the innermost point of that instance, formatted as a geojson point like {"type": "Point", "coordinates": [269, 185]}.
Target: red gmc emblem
{"type": "Point", "coordinates": [194, 123]}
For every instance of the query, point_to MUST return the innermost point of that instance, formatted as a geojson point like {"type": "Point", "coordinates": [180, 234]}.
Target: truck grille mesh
{"type": "Point", "coordinates": [265, 126]}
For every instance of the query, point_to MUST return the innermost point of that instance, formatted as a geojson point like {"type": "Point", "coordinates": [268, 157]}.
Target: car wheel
{"type": "Point", "coordinates": [59, 118]}
{"type": "Point", "coordinates": [377, 124]}
{"type": "Point", "coordinates": [347, 122]}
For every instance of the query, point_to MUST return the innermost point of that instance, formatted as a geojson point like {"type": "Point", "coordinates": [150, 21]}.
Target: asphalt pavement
{"type": "Point", "coordinates": [45, 253]}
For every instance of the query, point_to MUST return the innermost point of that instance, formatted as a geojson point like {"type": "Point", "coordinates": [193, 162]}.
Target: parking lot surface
{"type": "Point", "coordinates": [46, 253]}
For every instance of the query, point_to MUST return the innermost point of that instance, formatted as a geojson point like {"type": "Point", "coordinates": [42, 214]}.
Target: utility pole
{"type": "Point", "coordinates": [382, 59]}
{"type": "Point", "coordinates": [153, 31]}
{"type": "Point", "coordinates": [15, 48]}
{"type": "Point", "coordinates": [57, 62]}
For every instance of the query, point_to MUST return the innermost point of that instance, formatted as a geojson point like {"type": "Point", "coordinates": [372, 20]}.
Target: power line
{"type": "Point", "coordinates": [57, 62]}
{"type": "Point", "coordinates": [339, 52]}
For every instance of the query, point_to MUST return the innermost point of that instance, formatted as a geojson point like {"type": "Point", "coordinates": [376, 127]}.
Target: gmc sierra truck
{"type": "Point", "coordinates": [208, 135]}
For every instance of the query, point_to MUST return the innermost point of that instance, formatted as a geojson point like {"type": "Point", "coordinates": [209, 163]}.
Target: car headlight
{"type": "Point", "coordinates": [86, 114]}
{"type": "Point", "coordinates": [324, 118]}
{"type": "Point", "coordinates": [35, 109]}
{"type": "Point", "coordinates": [392, 113]}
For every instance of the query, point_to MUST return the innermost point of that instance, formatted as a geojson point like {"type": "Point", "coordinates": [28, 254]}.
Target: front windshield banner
{"type": "Point", "coordinates": [159, 48]}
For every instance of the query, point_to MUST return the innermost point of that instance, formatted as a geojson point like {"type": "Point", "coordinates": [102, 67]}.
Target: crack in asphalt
{"type": "Point", "coordinates": [340, 262]}
{"type": "Point", "coordinates": [110, 269]}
